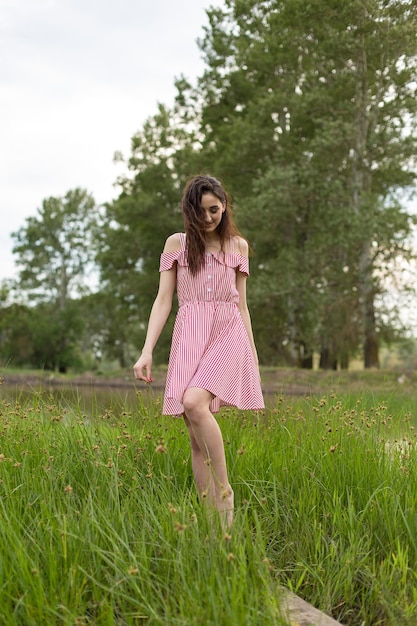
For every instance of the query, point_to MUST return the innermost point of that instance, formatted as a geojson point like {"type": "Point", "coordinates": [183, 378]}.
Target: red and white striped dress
{"type": "Point", "coordinates": [210, 346]}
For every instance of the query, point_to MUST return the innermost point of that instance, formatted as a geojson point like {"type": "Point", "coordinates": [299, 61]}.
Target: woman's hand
{"type": "Point", "coordinates": [144, 362]}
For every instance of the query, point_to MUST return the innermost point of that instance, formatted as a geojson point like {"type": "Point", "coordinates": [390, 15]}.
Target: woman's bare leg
{"type": "Point", "coordinates": [201, 470]}
{"type": "Point", "coordinates": [207, 449]}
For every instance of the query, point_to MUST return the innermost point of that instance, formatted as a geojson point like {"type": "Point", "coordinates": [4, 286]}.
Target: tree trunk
{"type": "Point", "coordinates": [293, 345]}
{"type": "Point", "coordinates": [327, 361]}
{"type": "Point", "coordinates": [121, 355]}
{"type": "Point", "coordinates": [370, 342]}
{"type": "Point", "coordinates": [344, 361]}
{"type": "Point", "coordinates": [362, 204]}
{"type": "Point", "coordinates": [307, 361]}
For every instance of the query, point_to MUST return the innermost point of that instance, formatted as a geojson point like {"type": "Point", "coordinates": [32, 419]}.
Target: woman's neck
{"type": "Point", "coordinates": [213, 243]}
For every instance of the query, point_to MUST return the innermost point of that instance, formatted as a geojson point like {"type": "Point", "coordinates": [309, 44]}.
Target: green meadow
{"type": "Point", "coordinates": [100, 523]}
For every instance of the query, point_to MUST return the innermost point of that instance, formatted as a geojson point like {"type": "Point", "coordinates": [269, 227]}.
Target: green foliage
{"type": "Point", "coordinates": [55, 249]}
{"type": "Point", "coordinates": [16, 343]}
{"type": "Point", "coordinates": [100, 523]}
{"type": "Point", "coordinates": [55, 336]}
{"type": "Point", "coordinates": [309, 112]}
{"type": "Point", "coordinates": [43, 337]}
{"type": "Point", "coordinates": [136, 226]}
{"type": "Point", "coordinates": [111, 531]}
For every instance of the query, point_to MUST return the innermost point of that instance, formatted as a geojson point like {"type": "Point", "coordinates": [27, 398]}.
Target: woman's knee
{"type": "Point", "coordinates": [190, 401]}
{"type": "Point", "coordinates": [195, 401]}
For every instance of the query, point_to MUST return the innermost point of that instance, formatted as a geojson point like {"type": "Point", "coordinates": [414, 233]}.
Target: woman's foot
{"type": "Point", "coordinates": [226, 508]}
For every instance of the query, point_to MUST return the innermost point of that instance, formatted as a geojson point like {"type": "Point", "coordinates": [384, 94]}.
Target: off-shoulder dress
{"type": "Point", "coordinates": [210, 346]}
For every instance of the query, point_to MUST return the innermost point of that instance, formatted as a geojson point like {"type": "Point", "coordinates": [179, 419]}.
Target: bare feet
{"type": "Point", "coordinates": [226, 508]}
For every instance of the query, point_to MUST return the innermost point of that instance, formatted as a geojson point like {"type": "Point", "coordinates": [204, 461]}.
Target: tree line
{"type": "Point", "coordinates": [307, 113]}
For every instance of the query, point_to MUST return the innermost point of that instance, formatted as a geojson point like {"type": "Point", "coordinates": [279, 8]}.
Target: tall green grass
{"type": "Point", "coordinates": [100, 524]}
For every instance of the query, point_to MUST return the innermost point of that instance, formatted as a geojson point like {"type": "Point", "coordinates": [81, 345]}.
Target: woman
{"type": "Point", "coordinates": [213, 359]}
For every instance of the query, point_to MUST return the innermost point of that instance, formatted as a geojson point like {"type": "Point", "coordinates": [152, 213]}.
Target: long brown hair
{"type": "Point", "coordinates": [194, 219]}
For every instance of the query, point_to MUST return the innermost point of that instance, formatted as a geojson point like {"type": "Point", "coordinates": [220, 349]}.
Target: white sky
{"type": "Point", "coordinates": [77, 79]}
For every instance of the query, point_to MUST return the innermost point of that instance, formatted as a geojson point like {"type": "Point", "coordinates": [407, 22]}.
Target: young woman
{"type": "Point", "coordinates": [213, 359]}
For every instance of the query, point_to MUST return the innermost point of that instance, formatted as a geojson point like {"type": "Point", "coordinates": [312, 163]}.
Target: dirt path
{"type": "Point", "coordinates": [288, 382]}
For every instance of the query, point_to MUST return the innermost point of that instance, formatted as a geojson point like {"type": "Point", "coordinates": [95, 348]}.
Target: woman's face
{"type": "Point", "coordinates": [213, 209]}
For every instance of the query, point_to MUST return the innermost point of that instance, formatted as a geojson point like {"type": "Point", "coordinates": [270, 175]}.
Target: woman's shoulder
{"type": "Point", "coordinates": [240, 245]}
{"type": "Point", "coordinates": [173, 252]}
{"type": "Point", "coordinates": [173, 243]}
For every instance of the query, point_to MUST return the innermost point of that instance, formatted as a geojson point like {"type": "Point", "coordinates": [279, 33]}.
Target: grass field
{"type": "Point", "coordinates": [100, 523]}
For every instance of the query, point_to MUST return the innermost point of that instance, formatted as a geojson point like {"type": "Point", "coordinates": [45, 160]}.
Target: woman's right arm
{"type": "Point", "coordinates": [159, 314]}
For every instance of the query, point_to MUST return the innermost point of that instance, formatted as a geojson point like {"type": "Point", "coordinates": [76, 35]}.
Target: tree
{"type": "Point", "coordinates": [55, 336]}
{"type": "Point", "coordinates": [55, 252]}
{"type": "Point", "coordinates": [309, 110]}
{"type": "Point", "coordinates": [16, 339]}
{"type": "Point", "coordinates": [137, 223]}
{"type": "Point", "coordinates": [55, 249]}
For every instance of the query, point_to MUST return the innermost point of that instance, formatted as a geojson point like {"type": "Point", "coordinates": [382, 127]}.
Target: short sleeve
{"type": "Point", "coordinates": [168, 259]}
{"type": "Point", "coordinates": [243, 265]}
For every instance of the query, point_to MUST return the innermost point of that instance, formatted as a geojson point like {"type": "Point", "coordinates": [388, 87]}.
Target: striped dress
{"type": "Point", "coordinates": [210, 346]}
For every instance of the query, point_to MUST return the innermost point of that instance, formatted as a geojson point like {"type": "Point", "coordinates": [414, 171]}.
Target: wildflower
{"type": "Point", "coordinates": [68, 489]}
{"type": "Point", "coordinates": [230, 556]}
{"type": "Point", "coordinates": [227, 537]}
{"type": "Point", "coordinates": [172, 508]}
{"type": "Point", "coordinates": [225, 494]}
{"type": "Point", "coordinates": [180, 527]}
{"type": "Point", "coordinates": [161, 449]}
{"type": "Point", "coordinates": [132, 570]}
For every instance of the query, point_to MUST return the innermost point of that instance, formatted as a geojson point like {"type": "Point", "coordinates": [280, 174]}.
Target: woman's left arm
{"type": "Point", "coordinates": [244, 311]}
{"type": "Point", "coordinates": [243, 248]}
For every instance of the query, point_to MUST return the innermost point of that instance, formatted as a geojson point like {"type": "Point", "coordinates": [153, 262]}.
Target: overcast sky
{"type": "Point", "coordinates": [78, 79]}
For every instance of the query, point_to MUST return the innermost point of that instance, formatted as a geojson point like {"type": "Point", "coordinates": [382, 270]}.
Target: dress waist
{"type": "Point", "coordinates": [207, 302]}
